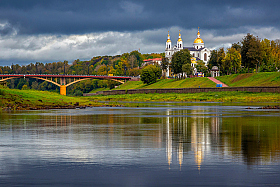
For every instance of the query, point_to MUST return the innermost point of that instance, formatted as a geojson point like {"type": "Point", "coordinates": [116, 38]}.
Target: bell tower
{"type": "Point", "coordinates": [168, 50]}
{"type": "Point", "coordinates": [180, 42]}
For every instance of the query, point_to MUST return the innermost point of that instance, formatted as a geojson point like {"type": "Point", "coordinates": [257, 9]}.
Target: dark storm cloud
{"type": "Point", "coordinates": [79, 17]}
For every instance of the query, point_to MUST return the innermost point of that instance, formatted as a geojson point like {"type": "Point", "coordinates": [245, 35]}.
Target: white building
{"type": "Point", "coordinates": [198, 51]}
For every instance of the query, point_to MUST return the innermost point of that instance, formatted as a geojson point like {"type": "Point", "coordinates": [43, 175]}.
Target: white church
{"type": "Point", "coordinates": [198, 51]}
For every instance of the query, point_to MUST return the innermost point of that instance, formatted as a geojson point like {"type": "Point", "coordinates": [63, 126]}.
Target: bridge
{"type": "Point", "coordinates": [63, 81]}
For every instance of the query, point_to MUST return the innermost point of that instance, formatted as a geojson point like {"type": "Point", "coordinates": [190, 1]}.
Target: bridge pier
{"type": "Point", "coordinates": [62, 90]}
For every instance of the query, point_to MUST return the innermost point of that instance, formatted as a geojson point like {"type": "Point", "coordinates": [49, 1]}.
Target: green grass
{"type": "Point", "coordinates": [252, 79]}
{"type": "Point", "coordinates": [99, 89]}
{"type": "Point", "coordinates": [169, 83]}
{"type": "Point", "coordinates": [190, 97]}
{"type": "Point", "coordinates": [26, 99]}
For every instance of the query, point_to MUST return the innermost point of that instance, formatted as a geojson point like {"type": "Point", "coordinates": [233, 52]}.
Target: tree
{"type": "Point", "coordinates": [25, 87]}
{"type": "Point", "coordinates": [213, 59]}
{"type": "Point", "coordinates": [102, 70]}
{"type": "Point", "coordinates": [200, 66]}
{"type": "Point", "coordinates": [179, 59]}
{"type": "Point", "coordinates": [34, 85]}
{"type": "Point", "coordinates": [221, 59]}
{"type": "Point", "coordinates": [134, 72]}
{"type": "Point", "coordinates": [251, 52]}
{"type": "Point", "coordinates": [232, 60]}
{"type": "Point", "coordinates": [188, 69]}
{"type": "Point", "coordinates": [164, 65]}
{"type": "Point", "coordinates": [150, 74]}
{"type": "Point", "coordinates": [138, 56]}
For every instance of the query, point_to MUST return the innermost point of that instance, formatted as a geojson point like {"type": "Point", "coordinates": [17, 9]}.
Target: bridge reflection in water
{"type": "Point", "coordinates": [63, 81]}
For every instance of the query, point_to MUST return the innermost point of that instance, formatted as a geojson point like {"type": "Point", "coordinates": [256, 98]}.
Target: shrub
{"type": "Point", "coordinates": [150, 74]}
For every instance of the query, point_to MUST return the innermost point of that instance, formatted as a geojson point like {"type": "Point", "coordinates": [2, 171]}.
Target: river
{"type": "Point", "coordinates": [153, 144]}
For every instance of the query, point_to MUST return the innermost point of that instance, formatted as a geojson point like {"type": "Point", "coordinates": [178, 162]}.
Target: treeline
{"type": "Point", "coordinates": [125, 64]}
{"type": "Point", "coordinates": [250, 55]}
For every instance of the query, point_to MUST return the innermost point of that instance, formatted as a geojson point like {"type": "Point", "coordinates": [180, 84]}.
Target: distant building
{"type": "Point", "coordinates": [154, 61]}
{"type": "Point", "coordinates": [198, 51]}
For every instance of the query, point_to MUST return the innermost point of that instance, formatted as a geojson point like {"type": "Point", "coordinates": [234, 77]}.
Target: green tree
{"type": "Point", "coordinates": [25, 87]}
{"type": "Point", "coordinates": [139, 57]}
{"type": "Point", "coordinates": [164, 65]}
{"type": "Point", "coordinates": [179, 59]}
{"type": "Point", "coordinates": [213, 61]}
{"type": "Point", "coordinates": [34, 85]}
{"type": "Point", "coordinates": [188, 69]}
{"type": "Point", "coordinates": [221, 60]}
{"type": "Point", "coordinates": [150, 74]}
{"type": "Point", "coordinates": [251, 52]}
{"type": "Point", "coordinates": [200, 66]}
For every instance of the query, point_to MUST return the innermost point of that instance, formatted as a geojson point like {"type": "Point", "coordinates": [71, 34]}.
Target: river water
{"type": "Point", "coordinates": [153, 144]}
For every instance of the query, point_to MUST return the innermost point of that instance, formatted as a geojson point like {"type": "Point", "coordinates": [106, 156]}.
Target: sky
{"type": "Point", "coordinates": [57, 30]}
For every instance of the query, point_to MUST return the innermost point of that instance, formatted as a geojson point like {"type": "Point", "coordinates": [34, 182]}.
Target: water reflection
{"type": "Point", "coordinates": [176, 138]}
{"type": "Point", "coordinates": [254, 139]}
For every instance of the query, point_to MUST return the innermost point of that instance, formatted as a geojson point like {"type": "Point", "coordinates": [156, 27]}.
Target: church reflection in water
{"type": "Point", "coordinates": [190, 135]}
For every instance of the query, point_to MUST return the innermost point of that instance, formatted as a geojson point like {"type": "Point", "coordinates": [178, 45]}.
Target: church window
{"type": "Point", "coordinates": [169, 46]}
{"type": "Point", "coordinates": [193, 54]}
{"type": "Point", "coordinates": [205, 57]}
{"type": "Point", "coordinates": [169, 53]}
{"type": "Point", "coordinates": [197, 54]}
{"type": "Point", "coordinates": [197, 47]}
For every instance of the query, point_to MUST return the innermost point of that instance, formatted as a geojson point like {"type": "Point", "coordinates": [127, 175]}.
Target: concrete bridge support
{"type": "Point", "coordinates": [62, 90]}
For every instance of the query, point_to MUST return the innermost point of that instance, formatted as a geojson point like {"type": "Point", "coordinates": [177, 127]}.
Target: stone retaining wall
{"type": "Point", "coordinates": [187, 90]}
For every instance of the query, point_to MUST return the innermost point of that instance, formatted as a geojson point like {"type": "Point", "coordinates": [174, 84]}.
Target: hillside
{"type": "Point", "coordinates": [14, 99]}
{"type": "Point", "coordinates": [202, 82]}
{"type": "Point", "coordinates": [252, 79]}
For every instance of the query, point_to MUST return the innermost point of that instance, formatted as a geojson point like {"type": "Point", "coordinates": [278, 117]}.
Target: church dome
{"type": "Point", "coordinates": [198, 40]}
{"type": "Point", "coordinates": [168, 38]}
{"type": "Point", "coordinates": [180, 39]}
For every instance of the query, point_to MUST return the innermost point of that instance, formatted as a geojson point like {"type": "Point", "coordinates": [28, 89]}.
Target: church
{"type": "Point", "coordinates": [198, 51]}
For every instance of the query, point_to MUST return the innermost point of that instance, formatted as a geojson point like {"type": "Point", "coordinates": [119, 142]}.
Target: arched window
{"type": "Point", "coordinates": [197, 54]}
{"type": "Point", "coordinates": [205, 57]}
{"type": "Point", "coordinates": [169, 46]}
{"type": "Point", "coordinates": [197, 47]}
{"type": "Point", "coordinates": [193, 54]}
{"type": "Point", "coordinates": [169, 53]}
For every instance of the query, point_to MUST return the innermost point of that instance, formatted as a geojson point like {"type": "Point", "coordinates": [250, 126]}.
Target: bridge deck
{"type": "Point", "coordinates": [65, 76]}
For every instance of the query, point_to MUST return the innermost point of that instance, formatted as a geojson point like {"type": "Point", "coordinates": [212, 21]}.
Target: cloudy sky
{"type": "Point", "coordinates": [58, 30]}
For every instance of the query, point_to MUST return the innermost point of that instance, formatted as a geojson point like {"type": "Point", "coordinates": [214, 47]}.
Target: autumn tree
{"type": "Point", "coordinates": [134, 72]}
{"type": "Point", "coordinates": [232, 60]}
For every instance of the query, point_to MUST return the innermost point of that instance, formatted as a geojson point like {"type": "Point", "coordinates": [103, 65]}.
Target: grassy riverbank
{"type": "Point", "coordinates": [252, 79]}
{"type": "Point", "coordinates": [202, 82]}
{"type": "Point", "coordinates": [194, 97]}
{"type": "Point", "coordinates": [14, 99]}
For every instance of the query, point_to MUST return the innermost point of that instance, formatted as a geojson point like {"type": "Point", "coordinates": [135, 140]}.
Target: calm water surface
{"type": "Point", "coordinates": [158, 144]}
